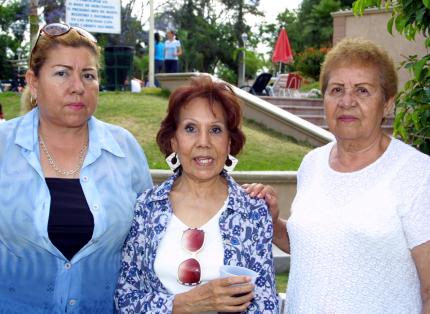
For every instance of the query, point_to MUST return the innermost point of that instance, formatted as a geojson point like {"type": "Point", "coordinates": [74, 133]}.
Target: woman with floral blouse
{"type": "Point", "coordinates": [199, 219]}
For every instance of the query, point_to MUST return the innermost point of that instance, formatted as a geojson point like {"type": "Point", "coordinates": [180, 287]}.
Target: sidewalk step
{"type": "Point", "coordinates": [281, 260]}
{"type": "Point", "coordinates": [303, 110]}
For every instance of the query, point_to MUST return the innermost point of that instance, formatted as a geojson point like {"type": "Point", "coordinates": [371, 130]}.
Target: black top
{"type": "Point", "coordinates": [71, 222]}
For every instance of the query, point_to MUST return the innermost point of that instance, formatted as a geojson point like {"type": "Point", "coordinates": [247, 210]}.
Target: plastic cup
{"type": "Point", "coordinates": [228, 271]}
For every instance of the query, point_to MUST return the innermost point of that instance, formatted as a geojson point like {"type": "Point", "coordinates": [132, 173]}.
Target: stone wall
{"type": "Point", "coordinates": [373, 25]}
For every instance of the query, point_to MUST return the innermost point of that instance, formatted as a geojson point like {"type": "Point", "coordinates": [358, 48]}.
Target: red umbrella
{"type": "Point", "coordinates": [282, 52]}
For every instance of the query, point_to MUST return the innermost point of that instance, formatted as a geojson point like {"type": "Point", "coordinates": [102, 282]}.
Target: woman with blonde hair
{"type": "Point", "coordinates": [68, 183]}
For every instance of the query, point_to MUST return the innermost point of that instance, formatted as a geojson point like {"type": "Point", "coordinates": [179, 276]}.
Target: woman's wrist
{"type": "Point", "coordinates": [182, 304]}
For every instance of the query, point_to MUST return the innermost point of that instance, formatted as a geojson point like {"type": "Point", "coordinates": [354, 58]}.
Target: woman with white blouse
{"type": "Point", "coordinates": [359, 230]}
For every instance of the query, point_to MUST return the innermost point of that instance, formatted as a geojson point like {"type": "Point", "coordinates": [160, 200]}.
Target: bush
{"type": "Point", "coordinates": [309, 62]}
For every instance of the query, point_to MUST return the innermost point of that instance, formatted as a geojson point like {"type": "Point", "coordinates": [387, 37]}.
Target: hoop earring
{"type": "Point", "coordinates": [33, 101]}
{"type": "Point", "coordinates": [173, 161]}
{"type": "Point", "coordinates": [230, 163]}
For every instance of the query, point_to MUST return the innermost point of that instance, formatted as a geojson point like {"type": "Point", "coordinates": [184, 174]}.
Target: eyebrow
{"type": "Point", "coordinates": [187, 120]}
{"type": "Point", "coordinates": [357, 84]}
{"type": "Point", "coordinates": [71, 68]}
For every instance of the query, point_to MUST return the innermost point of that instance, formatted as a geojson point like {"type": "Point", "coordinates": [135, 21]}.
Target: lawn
{"type": "Point", "coordinates": [141, 115]}
{"type": "Point", "coordinates": [281, 282]}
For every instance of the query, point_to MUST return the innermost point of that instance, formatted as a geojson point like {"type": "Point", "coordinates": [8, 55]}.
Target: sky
{"type": "Point", "coordinates": [273, 7]}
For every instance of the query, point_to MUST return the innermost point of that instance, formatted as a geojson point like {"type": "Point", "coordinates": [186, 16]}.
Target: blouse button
{"type": "Point", "coordinates": [85, 178]}
{"type": "Point", "coordinates": [72, 302]}
{"type": "Point", "coordinates": [67, 265]}
{"type": "Point", "coordinates": [95, 207]}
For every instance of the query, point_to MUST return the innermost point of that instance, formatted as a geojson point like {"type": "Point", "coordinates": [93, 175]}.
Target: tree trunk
{"type": "Point", "coordinates": [34, 22]}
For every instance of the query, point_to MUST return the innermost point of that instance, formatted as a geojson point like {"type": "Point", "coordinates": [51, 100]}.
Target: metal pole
{"type": "Point", "coordinates": [244, 37]}
{"type": "Point", "coordinates": [151, 44]}
{"type": "Point", "coordinates": [244, 66]}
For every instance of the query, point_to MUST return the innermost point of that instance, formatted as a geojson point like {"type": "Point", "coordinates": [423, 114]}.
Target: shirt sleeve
{"type": "Point", "coordinates": [134, 293]}
{"type": "Point", "coordinates": [416, 220]}
{"type": "Point", "coordinates": [141, 176]}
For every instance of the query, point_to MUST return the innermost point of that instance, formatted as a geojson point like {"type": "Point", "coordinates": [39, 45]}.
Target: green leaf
{"type": "Point", "coordinates": [416, 119]}
{"type": "Point", "coordinates": [418, 67]}
{"type": "Point", "coordinates": [390, 25]}
{"type": "Point", "coordinates": [400, 22]}
{"type": "Point", "coordinates": [426, 3]}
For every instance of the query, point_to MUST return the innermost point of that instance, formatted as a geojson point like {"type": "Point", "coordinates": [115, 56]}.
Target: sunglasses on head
{"type": "Point", "coordinates": [59, 29]}
{"type": "Point", "coordinates": [189, 271]}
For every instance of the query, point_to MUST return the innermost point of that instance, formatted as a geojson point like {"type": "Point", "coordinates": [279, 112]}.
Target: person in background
{"type": "Point", "coordinates": [159, 54]}
{"type": "Point", "coordinates": [199, 219]}
{"type": "Point", "coordinates": [172, 50]}
{"type": "Point", "coordinates": [2, 119]}
{"type": "Point", "coordinates": [68, 184]}
{"type": "Point", "coordinates": [358, 234]}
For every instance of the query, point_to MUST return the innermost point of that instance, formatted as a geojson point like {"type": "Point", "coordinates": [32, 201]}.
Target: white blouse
{"type": "Point", "coordinates": [351, 234]}
{"type": "Point", "coordinates": [170, 253]}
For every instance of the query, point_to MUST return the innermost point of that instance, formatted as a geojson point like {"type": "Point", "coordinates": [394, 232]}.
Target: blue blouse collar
{"type": "Point", "coordinates": [100, 137]}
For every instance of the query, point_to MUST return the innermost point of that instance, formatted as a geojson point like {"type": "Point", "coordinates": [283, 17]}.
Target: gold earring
{"type": "Point", "coordinates": [33, 101]}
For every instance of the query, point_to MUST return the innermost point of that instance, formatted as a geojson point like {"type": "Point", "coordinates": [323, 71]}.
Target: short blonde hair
{"type": "Point", "coordinates": [40, 52]}
{"type": "Point", "coordinates": [360, 51]}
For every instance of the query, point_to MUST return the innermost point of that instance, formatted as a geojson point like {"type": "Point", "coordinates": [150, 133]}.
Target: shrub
{"type": "Point", "coordinates": [309, 62]}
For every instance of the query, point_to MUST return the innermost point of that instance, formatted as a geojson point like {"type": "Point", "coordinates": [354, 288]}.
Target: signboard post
{"type": "Point", "coordinates": [96, 16]}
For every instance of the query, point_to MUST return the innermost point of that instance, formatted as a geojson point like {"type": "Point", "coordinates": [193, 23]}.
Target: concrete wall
{"type": "Point", "coordinates": [284, 183]}
{"type": "Point", "coordinates": [373, 25]}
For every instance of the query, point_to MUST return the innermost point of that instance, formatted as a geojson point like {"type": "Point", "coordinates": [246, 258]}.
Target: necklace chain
{"type": "Point", "coordinates": [54, 166]}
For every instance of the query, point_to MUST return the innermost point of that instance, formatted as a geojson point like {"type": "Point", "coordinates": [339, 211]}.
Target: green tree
{"type": "Point", "coordinates": [412, 121]}
{"type": "Point", "coordinates": [210, 33]}
{"type": "Point", "coordinates": [12, 27]}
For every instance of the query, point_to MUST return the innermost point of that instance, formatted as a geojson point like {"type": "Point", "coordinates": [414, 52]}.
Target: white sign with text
{"type": "Point", "coordinates": [96, 16]}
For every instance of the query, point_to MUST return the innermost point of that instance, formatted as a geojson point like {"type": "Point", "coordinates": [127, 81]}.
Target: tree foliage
{"type": "Point", "coordinates": [412, 121]}
{"type": "Point", "coordinates": [210, 34]}
{"type": "Point", "coordinates": [12, 27]}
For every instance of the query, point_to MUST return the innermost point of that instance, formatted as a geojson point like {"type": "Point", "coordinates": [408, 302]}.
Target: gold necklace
{"type": "Point", "coordinates": [54, 165]}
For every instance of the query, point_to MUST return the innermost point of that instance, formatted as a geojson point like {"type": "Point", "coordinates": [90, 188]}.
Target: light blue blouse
{"type": "Point", "coordinates": [34, 276]}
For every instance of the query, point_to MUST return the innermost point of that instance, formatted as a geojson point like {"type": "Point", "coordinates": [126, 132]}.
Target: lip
{"type": "Point", "coordinates": [76, 105]}
{"type": "Point", "coordinates": [347, 118]}
{"type": "Point", "coordinates": [203, 161]}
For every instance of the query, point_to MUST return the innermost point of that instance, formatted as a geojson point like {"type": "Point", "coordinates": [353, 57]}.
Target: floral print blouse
{"type": "Point", "coordinates": [246, 229]}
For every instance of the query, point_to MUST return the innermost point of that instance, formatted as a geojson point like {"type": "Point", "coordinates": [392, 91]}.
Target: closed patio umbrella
{"type": "Point", "coordinates": [282, 52]}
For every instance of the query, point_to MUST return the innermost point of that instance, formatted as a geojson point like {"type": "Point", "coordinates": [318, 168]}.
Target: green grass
{"type": "Point", "coordinates": [281, 282]}
{"type": "Point", "coordinates": [142, 113]}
